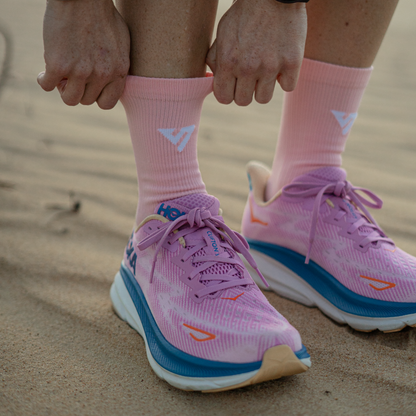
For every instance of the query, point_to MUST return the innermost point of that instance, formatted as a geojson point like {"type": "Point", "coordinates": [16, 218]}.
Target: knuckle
{"type": "Point", "coordinates": [247, 72]}
{"type": "Point", "coordinates": [270, 67]}
{"type": "Point", "coordinates": [81, 72]}
{"type": "Point", "coordinates": [292, 63]}
{"type": "Point", "coordinates": [58, 68]}
{"type": "Point", "coordinates": [227, 65]}
{"type": "Point", "coordinates": [248, 69]}
{"type": "Point", "coordinates": [102, 73]}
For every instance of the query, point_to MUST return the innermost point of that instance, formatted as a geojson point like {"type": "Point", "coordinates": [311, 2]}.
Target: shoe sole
{"type": "Point", "coordinates": [277, 361]}
{"type": "Point", "coordinates": [310, 285]}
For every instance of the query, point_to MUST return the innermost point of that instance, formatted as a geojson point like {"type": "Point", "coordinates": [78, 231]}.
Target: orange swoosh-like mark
{"type": "Point", "coordinates": [210, 336]}
{"type": "Point", "coordinates": [235, 298]}
{"type": "Point", "coordinates": [392, 251]}
{"type": "Point", "coordinates": [389, 284]}
{"type": "Point", "coordinates": [253, 218]}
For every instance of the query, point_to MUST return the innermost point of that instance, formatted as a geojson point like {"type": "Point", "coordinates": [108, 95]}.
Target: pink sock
{"type": "Point", "coordinates": [163, 117]}
{"type": "Point", "coordinates": [316, 120]}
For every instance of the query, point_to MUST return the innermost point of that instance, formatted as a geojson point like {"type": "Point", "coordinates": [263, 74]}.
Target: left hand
{"type": "Point", "coordinates": [258, 42]}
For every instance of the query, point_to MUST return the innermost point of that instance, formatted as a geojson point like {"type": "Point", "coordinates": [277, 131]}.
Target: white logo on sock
{"type": "Point", "coordinates": [184, 131]}
{"type": "Point", "coordinates": [345, 120]}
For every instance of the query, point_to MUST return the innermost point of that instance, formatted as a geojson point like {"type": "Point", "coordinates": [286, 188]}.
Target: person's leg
{"type": "Point", "coordinates": [310, 231]}
{"type": "Point", "coordinates": [163, 97]}
{"type": "Point", "coordinates": [342, 42]}
{"type": "Point", "coordinates": [181, 284]}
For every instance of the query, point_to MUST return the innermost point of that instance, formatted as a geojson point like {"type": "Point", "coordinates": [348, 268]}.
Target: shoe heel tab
{"type": "Point", "coordinates": [258, 175]}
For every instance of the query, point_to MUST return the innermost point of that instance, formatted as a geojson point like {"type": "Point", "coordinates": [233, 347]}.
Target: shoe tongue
{"type": "Point", "coordinates": [333, 174]}
{"type": "Point", "coordinates": [327, 174]}
{"type": "Point", "coordinates": [176, 207]}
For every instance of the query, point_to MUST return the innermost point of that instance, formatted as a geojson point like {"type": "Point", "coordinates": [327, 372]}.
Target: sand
{"type": "Point", "coordinates": [67, 201]}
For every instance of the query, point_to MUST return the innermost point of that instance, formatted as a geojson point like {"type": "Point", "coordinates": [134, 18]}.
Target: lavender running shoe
{"type": "Point", "coordinates": [205, 323]}
{"type": "Point", "coordinates": [316, 243]}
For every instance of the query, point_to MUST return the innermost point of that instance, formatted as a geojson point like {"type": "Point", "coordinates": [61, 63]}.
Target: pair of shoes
{"type": "Point", "coordinates": [208, 327]}
{"type": "Point", "coordinates": [205, 323]}
{"type": "Point", "coordinates": [316, 243]}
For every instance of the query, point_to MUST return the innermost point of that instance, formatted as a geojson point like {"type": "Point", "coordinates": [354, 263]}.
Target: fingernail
{"type": "Point", "coordinates": [40, 76]}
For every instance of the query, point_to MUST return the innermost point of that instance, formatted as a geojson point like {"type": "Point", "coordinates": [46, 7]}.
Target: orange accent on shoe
{"type": "Point", "coordinates": [252, 217]}
{"type": "Point", "coordinates": [235, 298]}
{"type": "Point", "coordinates": [391, 251]}
{"type": "Point", "coordinates": [210, 336]}
{"type": "Point", "coordinates": [389, 284]}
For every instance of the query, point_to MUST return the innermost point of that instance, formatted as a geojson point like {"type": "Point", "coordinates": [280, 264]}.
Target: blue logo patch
{"type": "Point", "coordinates": [169, 213]}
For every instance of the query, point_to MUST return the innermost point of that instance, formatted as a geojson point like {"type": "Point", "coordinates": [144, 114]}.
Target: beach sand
{"type": "Point", "coordinates": [67, 201]}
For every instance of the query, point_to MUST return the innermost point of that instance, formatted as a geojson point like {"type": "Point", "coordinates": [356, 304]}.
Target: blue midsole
{"type": "Point", "coordinates": [329, 287]}
{"type": "Point", "coordinates": [171, 358]}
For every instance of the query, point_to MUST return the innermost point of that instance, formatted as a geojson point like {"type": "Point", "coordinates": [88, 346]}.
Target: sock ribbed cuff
{"type": "Point", "coordinates": [166, 89]}
{"type": "Point", "coordinates": [337, 75]}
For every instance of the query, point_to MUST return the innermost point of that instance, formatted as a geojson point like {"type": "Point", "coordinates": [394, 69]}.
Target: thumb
{"type": "Point", "coordinates": [211, 60]}
{"type": "Point", "coordinates": [47, 81]}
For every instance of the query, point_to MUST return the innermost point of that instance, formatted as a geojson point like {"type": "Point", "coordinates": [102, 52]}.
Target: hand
{"type": "Point", "coordinates": [258, 42]}
{"type": "Point", "coordinates": [87, 47]}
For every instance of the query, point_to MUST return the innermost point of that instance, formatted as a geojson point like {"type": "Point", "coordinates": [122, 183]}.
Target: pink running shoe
{"type": "Point", "coordinates": [316, 243]}
{"type": "Point", "coordinates": [205, 323]}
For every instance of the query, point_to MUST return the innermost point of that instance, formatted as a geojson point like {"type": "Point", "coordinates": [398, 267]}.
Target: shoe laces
{"type": "Point", "coordinates": [347, 192]}
{"type": "Point", "coordinates": [188, 224]}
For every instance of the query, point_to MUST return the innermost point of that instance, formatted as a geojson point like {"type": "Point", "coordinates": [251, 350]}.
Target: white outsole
{"type": "Point", "coordinates": [125, 309]}
{"type": "Point", "coordinates": [289, 285]}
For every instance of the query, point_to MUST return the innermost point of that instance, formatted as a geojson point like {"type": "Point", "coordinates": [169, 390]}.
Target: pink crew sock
{"type": "Point", "coordinates": [316, 120]}
{"type": "Point", "coordinates": [163, 117]}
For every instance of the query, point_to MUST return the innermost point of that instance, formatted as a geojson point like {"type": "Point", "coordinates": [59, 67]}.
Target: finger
{"type": "Point", "coordinates": [62, 85]}
{"type": "Point", "coordinates": [288, 78]}
{"type": "Point", "coordinates": [244, 91]}
{"type": "Point", "coordinates": [224, 86]}
{"type": "Point", "coordinates": [264, 90]}
{"type": "Point", "coordinates": [73, 91]}
{"type": "Point", "coordinates": [211, 60]}
{"type": "Point", "coordinates": [48, 80]}
{"type": "Point", "coordinates": [110, 94]}
{"type": "Point", "coordinates": [91, 93]}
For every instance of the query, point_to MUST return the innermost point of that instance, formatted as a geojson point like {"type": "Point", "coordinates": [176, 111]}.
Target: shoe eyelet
{"type": "Point", "coordinates": [182, 260]}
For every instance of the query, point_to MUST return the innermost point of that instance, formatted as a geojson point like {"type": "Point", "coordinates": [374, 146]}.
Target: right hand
{"type": "Point", "coordinates": [87, 47]}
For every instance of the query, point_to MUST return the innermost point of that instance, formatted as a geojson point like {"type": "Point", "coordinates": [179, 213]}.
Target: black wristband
{"type": "Point", "coordinates": [292, 1]}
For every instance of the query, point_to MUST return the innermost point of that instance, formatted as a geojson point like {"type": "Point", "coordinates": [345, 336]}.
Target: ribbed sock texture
{"type": "Point", "coordinates": [162, 115]}
{"type": "Point", "coordinates": [316, 120]}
